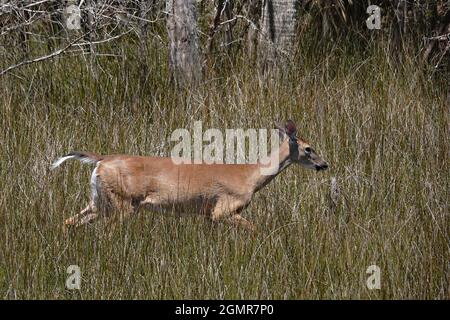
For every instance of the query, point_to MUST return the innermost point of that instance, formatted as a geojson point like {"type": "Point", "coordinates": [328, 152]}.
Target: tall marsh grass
{"type": "Point", "coordinates": [383, 127]}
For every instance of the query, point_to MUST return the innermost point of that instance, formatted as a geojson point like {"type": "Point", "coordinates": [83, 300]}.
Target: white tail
{"type": "Point", "coordinates": [125, 183]}
{"type": "Point", "coordinates": [84, 157]}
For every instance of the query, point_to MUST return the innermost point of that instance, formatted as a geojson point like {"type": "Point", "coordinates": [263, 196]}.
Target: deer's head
{"type": "Point", "coordinates": [300, 151]}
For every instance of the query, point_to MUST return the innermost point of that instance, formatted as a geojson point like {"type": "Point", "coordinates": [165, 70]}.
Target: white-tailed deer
{"type": "Point", "coordinates": [121, 184]}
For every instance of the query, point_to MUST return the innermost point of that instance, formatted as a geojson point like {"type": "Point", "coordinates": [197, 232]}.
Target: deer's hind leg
{"type": "Point", "coordinates": [85, 216]}
{"type": "Point", "coordinates": [91, 211]}
{"type": "Point", "coordinates": [121, 209]}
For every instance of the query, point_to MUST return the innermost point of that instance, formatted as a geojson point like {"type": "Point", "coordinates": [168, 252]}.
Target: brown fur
{"type": "Point", "coordinates": [219, 191]}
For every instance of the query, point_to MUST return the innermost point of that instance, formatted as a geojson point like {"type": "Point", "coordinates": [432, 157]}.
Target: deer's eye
{"type": "Point", "coordinates": [307, 150]}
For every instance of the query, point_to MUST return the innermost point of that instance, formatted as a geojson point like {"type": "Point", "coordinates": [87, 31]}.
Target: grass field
{"type": "Point", "coordinates": [383, 127]}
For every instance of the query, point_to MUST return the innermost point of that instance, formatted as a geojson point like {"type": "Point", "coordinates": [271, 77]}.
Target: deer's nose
{"type": "Point", "coordinates": [320, 167]}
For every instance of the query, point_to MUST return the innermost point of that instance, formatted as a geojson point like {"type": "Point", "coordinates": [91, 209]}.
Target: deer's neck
{"type": "Point", "coordinates": [269, 168]}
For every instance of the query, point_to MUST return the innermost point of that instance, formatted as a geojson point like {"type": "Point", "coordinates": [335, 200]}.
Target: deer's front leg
{"type": "Point", "coordinates": [79, 219]}
{"type": "Point", "coordinates": [240, 221]}
{"type": "Point", "coordinates": [228, 208]}
{"type": "Point", "coordinates": [122, 208]}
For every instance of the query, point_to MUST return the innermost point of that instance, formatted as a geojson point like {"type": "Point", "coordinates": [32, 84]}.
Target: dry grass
{"type": "Point", "coordinates": [383, 130]}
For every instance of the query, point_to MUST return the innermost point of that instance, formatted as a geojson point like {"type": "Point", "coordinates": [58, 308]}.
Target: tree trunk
{"type": "Point", "coordinates": [399, 27]}
{"type": "Point", "coordinates": [184, 56]}
{"type": "Point", "coordinates": [88, 26]}
{"type": "Point", "coordinates": [144, 7]}
{"type": "Point", "coordinates": [277, 32]}
{"type": "Point", "coordinates": [25, 16]}
{"type": "Point", "coordinates": [55, 24]}
{"type": "Point", "coordinates": [215, 25]}
{"type": "Point", "coordinates": [441, 29]}
{"type": "Point", "coordinates": [254, 13]}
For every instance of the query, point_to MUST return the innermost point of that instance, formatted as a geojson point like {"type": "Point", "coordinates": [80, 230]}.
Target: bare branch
{"type": "Point", "coordinates": [42, 58]}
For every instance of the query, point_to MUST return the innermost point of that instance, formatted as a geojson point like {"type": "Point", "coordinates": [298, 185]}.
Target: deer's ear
{"type": "Point", "coordinates": [290, 128]}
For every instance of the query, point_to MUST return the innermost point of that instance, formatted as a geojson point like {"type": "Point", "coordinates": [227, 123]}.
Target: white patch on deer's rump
{"type": "Point", "coordinates": [94, 190]}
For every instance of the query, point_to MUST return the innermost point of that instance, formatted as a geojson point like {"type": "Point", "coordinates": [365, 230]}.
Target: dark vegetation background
{"type": "Point", "coordinates": [373, 103]}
